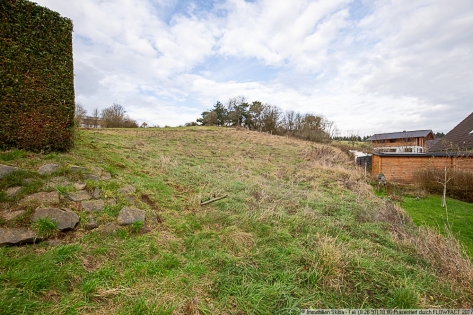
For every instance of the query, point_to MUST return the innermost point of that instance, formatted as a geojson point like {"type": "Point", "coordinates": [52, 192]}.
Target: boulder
{"type": "Point", "coordinates": [151, 223]}
{"type": "Point", "coordinates": [17, 236]}
{"type": "Point", "coordinates": [90, 224]}
{"type": "Point", "coordinates": [96, 170]}
{"type": "Point", "coordinates": [5, 170]}
{"type": "Point", "coordinates": [130, 199]}
{"type": "Point", "coordinates": [79, 186]}
{"type": "Point", "coordinates": [13, 191]}
{"type": "Point", "coordinates": [42, 198]}
{"type": "Point", "coordinates": [106, 176]}
{"type": "Point", "coordinates": [110, 228]}
{"type": "Point", "coordinates": [48, 169]}
{"type": "Point", "coordinates": [92, 177]}
{"type": "Point", "coordinates": [66, 219]}
{"type": "Point", "coordinates": [93, 205]}
{"type": "Point", "coordinates": [58, 181]}
{"type": "Point", "coordinates": [128, 189]}
{"type": "Point", "coordinates": [97, 192]}
{"type": "Point", "coordinates": [79, 196]}
{"type": "Point", "coordinates": [78, 169]}
{"type": "Point", "coordinates": [110, 202]}
{"type": "Point", "coordinates": [129, 215]}
{"type": "Point", "coordinates": [12, 215]}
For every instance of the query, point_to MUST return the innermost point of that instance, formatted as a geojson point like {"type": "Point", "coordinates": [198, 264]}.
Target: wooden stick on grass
{"type": "Point", "coordinates": [212, 200]}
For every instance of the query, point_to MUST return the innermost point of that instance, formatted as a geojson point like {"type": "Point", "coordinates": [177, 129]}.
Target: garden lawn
{"type": "Point", "coordinates": [428, 211]}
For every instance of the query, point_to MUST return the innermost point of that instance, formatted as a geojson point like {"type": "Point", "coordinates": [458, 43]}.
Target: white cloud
{"type": "Point", "coordinates": [368, 65]}
{"type": "Point", "coordinates": [278, 32]}
{"type": "Point", "coordinates": [430, 49]}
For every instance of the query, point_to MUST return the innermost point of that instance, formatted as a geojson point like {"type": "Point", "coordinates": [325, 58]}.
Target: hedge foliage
{"type": "Point", "coordinates": [36, 78]}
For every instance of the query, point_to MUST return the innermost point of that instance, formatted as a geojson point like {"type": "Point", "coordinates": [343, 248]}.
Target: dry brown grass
{"type": "Point", "coordinates": [445, 254]}
{"type": "Point", "coordinates": [324, 155]}
{"type": "Point", "coordinates": [191, 307]}
{"type": "Point", "coordinates": [237, 241]}
{"type": "Point", "coordinates": [328, 258]}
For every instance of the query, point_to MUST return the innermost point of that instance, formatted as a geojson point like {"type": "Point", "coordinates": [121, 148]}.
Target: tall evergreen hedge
{"type": "Point", "coordinates": [36, 78]}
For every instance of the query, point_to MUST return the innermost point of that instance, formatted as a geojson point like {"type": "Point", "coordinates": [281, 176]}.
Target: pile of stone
{"type": "Point", "coordinates": [50, 205]}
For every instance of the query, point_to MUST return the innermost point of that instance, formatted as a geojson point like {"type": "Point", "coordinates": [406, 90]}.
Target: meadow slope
{"type": "Point", "coordinates": [300, 229]}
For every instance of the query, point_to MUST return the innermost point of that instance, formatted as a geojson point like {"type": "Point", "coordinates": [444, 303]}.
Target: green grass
{"type": "Point", "coordinates": [294, 232]}
{"type": "Point", "coordinates": [12, 155]}
{"type": "Point", "coordinates": [45, 227]}
{"type": "Point", "coordinates": [428, 211]}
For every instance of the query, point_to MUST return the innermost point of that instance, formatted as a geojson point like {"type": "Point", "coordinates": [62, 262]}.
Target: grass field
{"type": "Point", "coordinates": [428, 211]}
{"type": "Point", "coordinates": [300, 229]}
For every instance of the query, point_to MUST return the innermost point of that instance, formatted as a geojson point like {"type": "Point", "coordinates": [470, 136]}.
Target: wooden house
{"type": "Point", "coordinates": [402, 142]}
{"type": "Point", "coordinates": [402, 168]}
{"type": "Point", "coordinates": [454, 150]}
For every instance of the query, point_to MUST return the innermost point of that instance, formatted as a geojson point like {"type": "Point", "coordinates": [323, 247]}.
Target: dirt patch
{"type": "Point", "coordinates": [146, 199]}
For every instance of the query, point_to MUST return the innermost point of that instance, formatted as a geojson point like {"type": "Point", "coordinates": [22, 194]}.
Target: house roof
{"type": "Point", "coordinates": [460, 137]}
{"type": "Point", "coordinates": [431, 143]}
{"type": "Point", "coordinates": [400, 135]}
{"type": "Point", "coordinates": [431, 154]}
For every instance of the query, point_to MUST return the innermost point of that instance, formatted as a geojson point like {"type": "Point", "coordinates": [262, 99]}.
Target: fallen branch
{"type": "Point", "coordinates": [212, 200]}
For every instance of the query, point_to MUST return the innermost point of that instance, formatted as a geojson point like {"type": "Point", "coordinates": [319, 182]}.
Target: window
{"type": "Point", "coordinates": [408, 150]}
{"type": "Point", "coordinates": [387, 150]}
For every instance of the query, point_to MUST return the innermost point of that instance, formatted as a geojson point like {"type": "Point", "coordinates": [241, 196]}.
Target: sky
{"type": "Point", "coordinates": [369, 66]}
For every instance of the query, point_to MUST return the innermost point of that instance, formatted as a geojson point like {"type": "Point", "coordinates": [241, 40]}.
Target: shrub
{"type": "Point", "coordinates": [115, 117]}
{"type": "Point", "coordinates": [459, 187]}
{"type": "Point", "coordinates": [37, 82]}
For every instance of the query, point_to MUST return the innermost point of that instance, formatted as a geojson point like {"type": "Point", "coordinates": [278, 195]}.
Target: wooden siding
{"type": "Point", "coordinates": [402, 169]}
{"type": "Point", "coordinates": [397, 142]}
{"type": "Point", "coordinates": [403, 142]}
{"type": "Point", "coordinates": [421, 142]}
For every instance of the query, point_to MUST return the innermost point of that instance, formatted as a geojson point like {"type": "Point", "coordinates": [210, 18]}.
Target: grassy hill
{"type": "Point", "coordinates": [300, 229]}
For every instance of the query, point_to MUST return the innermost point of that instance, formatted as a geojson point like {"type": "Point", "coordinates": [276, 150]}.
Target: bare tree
{"type": "Point", "coordinates": [298, 123]}
{"type": "Point", "coordinates": [453, 153]}
{"type": "Point", "coordinates": [256, 112]}
{"type": "Point", "coordinates": [289, 121]}
{"type": "Point", "coordinates": [353, 137]}
{"type": "Point", "coordinates": [79, 114]}
{"type": "Point", "coordinates": [129, 123]}
{"type": "Point", "coordinates": [95, 117]}
{"type": "Point", "coordinates": [331, 129]}
{"type": "Point", "coordinates": [114, 117]}
{"type": "Point", "coordinates": [270, 118]}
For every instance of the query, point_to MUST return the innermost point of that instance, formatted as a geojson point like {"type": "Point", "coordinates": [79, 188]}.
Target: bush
{"type": "Point", "coordinates": [37, 82]}
{"type": "Point", "coordinates": [459, 187]}
{"type": "Point", "coordinates": [115, 117]}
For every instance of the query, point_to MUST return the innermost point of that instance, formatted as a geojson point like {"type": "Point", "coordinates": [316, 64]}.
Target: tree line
{"type": "Point", "coordinates": [111, 117]}
{"type": "Point", "coordinates": [269, 118]}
